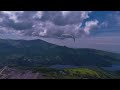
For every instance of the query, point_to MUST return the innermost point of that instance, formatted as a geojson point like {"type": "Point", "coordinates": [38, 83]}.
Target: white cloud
{"type": "Point", "coordinates": [43, 33]}
{"type": "Point", "coordinates": [12, 15]}
{"type": "Point", "coordinates": [65, 13]}
{"type": "Point", "coordinates": [62, 18]}
{"type": "Point", "coordinates": [10, 31]}
{"type": "Point", "coordinates": [47, 23]}
{"type": "Point", "coordinates": [38, 15]}
{"type": "Point", "coordinates": [90, 25]}
{"type": "Point", "coordinates": [84, 14]}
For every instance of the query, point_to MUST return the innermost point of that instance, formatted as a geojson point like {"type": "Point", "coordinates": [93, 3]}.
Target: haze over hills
{"type": "Point", "coordinates": [110, 44]}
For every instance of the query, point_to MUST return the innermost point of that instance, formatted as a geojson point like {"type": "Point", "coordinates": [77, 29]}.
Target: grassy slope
{"type": "Point", "coordinates": [75, 73]}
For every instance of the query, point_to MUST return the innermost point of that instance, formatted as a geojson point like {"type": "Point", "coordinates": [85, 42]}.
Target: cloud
{"type": "Point", "coordinates": [3, 30]}
{"type": "Point", "coordinates": [12, 15]}
{"type": "Point", "coordinates": [49, 29]}
{"type": "Point", "coordinates": [89, 25]}
{"type": "Point", "coordinates": [46, 23]}
{"type": "Point", "coordinates": [1, 20]}
{"type": "Point", "coordinates": [65, 17]}
{"type": "Point", "coordinates": [65, 13]}
{"type": "Point", "coordinates": [38, 15]}
{"type": "Point", "coordinates": [18, 20]}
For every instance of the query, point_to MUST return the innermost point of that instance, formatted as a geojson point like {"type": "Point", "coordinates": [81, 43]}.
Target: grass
{"type": "Point", "coordinates": [82, 73]}
{"type": "Point", "coordinates": [73, 73]}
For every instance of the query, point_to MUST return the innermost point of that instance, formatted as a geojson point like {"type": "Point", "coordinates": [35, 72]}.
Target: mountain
{"type": "Point", "coordinates": [40, 53]}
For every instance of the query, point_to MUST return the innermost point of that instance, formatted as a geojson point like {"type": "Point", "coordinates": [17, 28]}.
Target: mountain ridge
{"type": "Point", "coordinates": [39, 52]}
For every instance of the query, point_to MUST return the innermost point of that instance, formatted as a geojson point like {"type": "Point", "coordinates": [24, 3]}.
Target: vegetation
{"type": "Point", "coordinates": [74, 73]}
{"type": "Point", "coordinates": [38, 55]}
{"type": "Point", "coordinates": [82, 73]}
{"type": "Point", "coordinates": [37, 52]}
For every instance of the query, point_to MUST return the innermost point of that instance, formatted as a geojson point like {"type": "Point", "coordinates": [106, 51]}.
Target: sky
{"type": "Point", "coordinates": [92, 29]}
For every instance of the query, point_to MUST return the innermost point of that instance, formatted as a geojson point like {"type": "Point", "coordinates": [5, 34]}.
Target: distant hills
{"type": "Point", "coordinates": [40, 53]}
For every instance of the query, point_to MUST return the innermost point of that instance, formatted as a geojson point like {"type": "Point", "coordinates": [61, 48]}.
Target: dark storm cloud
{"type": "Point", "coordinates": [17, 21]}
{"type": "Point", "coordinates": [20, 25]}
{"type": "Point", "coordinates": [60, 18]}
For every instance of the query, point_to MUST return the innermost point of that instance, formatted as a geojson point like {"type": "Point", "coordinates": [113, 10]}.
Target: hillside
{"type": "Point", "coordinates": [38, 52]}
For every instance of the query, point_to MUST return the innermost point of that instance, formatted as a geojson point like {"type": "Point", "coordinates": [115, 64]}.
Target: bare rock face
{"type": "Point", "coordinates": [10, 73]}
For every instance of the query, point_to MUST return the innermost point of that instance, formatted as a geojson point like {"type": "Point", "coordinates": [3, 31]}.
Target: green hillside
{"type": "Point", "coordinates": [75, 73]}
{"type": "Point", "coordinates": [38, 52]}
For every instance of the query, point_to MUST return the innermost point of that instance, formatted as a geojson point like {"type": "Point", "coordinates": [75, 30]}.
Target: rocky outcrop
{"type": "Point", "coordinates": [11, 73]}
